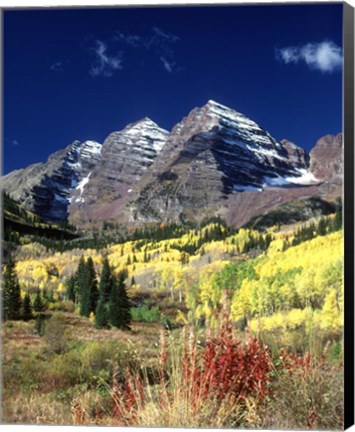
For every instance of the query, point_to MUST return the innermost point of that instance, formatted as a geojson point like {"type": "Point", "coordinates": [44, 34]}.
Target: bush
{"type": "Point", "coordinates": [145, 314]}
{"type": "Point", "coordinates": [194, 387]}
{"type": "Point", "coordinates": [63, 306]}
{"type": "Point", "coordinates": [55, 334]}
{"type": "Point", "coordinates": [307, 394]}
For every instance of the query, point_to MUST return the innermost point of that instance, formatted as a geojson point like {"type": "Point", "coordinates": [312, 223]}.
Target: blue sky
{"type": "Point", "coordinates": [83, 73]}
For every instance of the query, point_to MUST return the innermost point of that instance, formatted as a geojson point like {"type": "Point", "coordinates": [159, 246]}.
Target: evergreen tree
{"type": "Point", "coordinates": [80, 277]}
{"type": "Point", "coordinates": [101, 315]}
{"type": "Point", "coordinates": [89, 292]}
{"type": "Point", "coordinates": [11, 291]}
{"type": "Point", "coordinates": [105, 288]}
{"type": "Point", "coordinates": [71, 289]}
{"type": "Point", "coordinates": [322, 226]}
{"type": "Point", "coordinates": [133, 281]}
{"type": "Point", "coordinates": [119, 305]}
{"type": "Point", "coordinates": [38, 305]}
{"type": "Point", "coordinates": [27, 308]}
{"type": "Point", "coordinates": [106, 281]}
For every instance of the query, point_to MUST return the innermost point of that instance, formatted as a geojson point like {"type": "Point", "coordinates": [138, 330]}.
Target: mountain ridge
{"type": "Point", "coordinates": [213, 161]}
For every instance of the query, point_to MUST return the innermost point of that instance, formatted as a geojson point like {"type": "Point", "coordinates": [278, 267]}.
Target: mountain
{"type": "Point", "coordinates": [126, 155]}
{"type": "Point", "coordinates": [211, 155]}
{"type": "Point", "coordinates": [46, 188]}
{"type": "Point", "coordinates": [214, 162]}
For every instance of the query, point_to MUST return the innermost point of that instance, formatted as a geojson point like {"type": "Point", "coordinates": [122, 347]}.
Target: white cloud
{"type": "Point", "coordinates": [168, 66]}
{"type": "Point", "coordinates": [158, 43]}
{"type": "Point", "coordinates": [57, 67]}
{"type": "Point", "coordinates": [324, 56]}
{"type": "Point", "coordinates": [104, 65]}
{"type": "Point", "coordinates": [162, 35]}
{"type": "Point", "coordinates": [133, 40]}
{"type": "Point", "coordinates": [14, 142]}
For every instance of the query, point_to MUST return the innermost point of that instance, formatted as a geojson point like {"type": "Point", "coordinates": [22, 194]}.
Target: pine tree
{"type": "Point", "coordinates": [105, 285]}
{"type": "Point", "coordinates": [133, 281]}
{"type": "Point", "coordinates": [119, 305]}
{"type": "Point", "coordinates": [38, 305]}
{"type": "Point", "coordinates": [27, 308]}
{"type": "Point", "coordinates": [11, 291]}
{"type": "Point", "coordinates": [80, 278]}
{"type": "Point", "coordinates": [89, 292]}
{"type": "Point", "coordinates": [101, 315]}
{"type": "Point", "coordinates": [105, 288]}
{"type": "Point", "coordinates": [71, 289]}
{"type": "Point", "coordinates": [322, 226]}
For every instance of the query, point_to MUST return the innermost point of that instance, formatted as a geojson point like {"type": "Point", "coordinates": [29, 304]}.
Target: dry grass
{"type": "Point", "coordinates": [74, 385]}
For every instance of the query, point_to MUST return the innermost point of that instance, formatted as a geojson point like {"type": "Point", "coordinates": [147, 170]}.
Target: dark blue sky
{"type": "Point", "coordinates": [83, 73]}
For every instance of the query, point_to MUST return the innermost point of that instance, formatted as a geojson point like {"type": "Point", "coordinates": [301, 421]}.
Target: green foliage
{"type": "Point", "coordinates": [71, 289]}
{"type": "Point", "coordinates": [145, 314]}
{"type": "Point", "coordinates": [106, 281]}
{"type": "Point", "coordinates": [119, 305]}
{"type": "Point", "coordinates": [11, 291]}
{"type": "Point", "coordinates": [27, 308]}
{"type": "Point", "coordinates": [55, 334]}
{"type": "Point", "coordinates": [101, 314]}
{"type": "Point", "coordinates": [38, 305]}
{"type": "Point", "coordinates": [88, 289]}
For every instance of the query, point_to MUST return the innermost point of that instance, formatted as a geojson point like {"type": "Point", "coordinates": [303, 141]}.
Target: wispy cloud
{"type": "Point", "coordinates": [104, 64]}
{"type": "Point", "coordinates": [168, 66]}
{"type": "Point", "coordinates": [159, 44]}
{"type": "Point", "coordinates": [15, 143]}
{"type": "Point", "coordinates": [132, 40]}
{"type": "Point", "coordinates": [324, 56]}
{"type": "Point", "coordinates": [57, 66]}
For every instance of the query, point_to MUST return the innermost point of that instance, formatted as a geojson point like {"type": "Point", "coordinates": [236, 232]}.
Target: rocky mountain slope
{"type": "Point", "coordinates": [46, 188]}
{"type": "Point", "coordinates": [216, 161]}
{"type": "Point", "coordinates": [212, 155]}
{"type": "Point", "coordinates": [126, 155]}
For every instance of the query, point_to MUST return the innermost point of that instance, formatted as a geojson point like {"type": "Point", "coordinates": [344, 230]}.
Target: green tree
{"type": "Point", "coordinates": [11, 291]}
{"type": "Point", "coordinates": [101, 315]}
{"type": "Point", "coordinates": [89, 292]}
{"type": "Point", "coordinates": [119, 304]}
{"type": "Point", "coordinates": [27, 308]}
{"type": "Point", "coordinates": [71, 289]}
{"type": "Point", "coordinates": [322, 226]}
{"type": "Point", "coordinates": [38, 305]}
{"type": "Point", "coordinates": [105, 287]}
{"type": "Point", "coordinates": [80, 277]}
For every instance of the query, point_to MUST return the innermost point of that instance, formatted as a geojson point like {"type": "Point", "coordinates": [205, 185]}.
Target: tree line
{"type": "Point", "coordinates": [106, 298]}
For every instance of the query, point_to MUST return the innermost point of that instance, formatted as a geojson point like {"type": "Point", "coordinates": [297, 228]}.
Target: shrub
{"type": "Point", "coordinates": [63, 306]}
{"type": "Point", "coordinates": [195, 387]}
{"type": "Point", "coordinates": [145, 314]}
{"type": "Point", "coordinates": [55, 334]}
{"type": "Point", "coordinates": [307, 394]}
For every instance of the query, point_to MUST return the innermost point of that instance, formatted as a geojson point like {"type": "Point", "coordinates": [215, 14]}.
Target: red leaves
{"type": "Point", "coordinates": [233, 368]}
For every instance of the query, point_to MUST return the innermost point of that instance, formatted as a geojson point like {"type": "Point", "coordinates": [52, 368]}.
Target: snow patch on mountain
{"type": "Point", "coordinates": [80, 187]}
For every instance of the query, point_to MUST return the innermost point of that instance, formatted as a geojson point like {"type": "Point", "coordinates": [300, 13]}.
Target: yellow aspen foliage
{"type": "Point", "coordinates": [332, 315]}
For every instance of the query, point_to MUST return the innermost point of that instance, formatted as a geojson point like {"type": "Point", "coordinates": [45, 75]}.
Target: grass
{"type": "Point", "coordinates": [76, 374]}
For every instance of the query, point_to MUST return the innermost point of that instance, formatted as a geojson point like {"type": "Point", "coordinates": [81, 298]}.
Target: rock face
{"type": "Point", "coordinates": [213, 153]}
{"type": "Point", "coordinates": [126, 155]}
{"type": "Point", "coordinates": [46, 188]}
{"type": "Point", "coordinates": [216, 161]}
{"type": "Point", "coordinates": [327, 158]}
